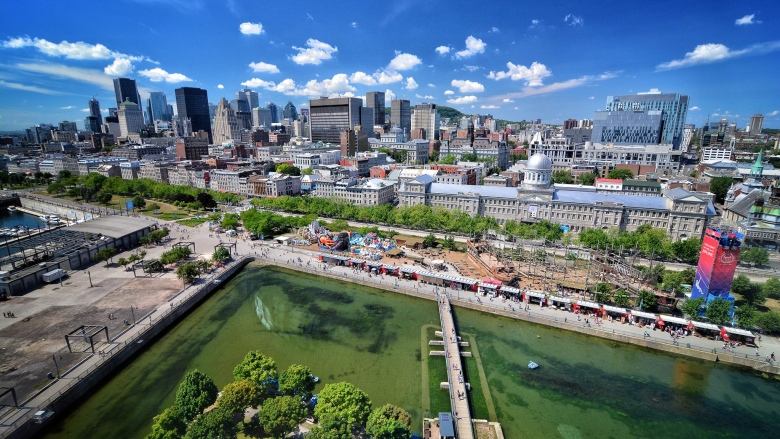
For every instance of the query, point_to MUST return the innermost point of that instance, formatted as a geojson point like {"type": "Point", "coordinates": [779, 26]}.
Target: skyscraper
{"type": "Point", "coordinates": [376, 100]}
{"type": "Point", "coordinates": [628, 127]}
{"type": "Point", "coordinates": [261, 117]}
{"type": "Point", "coordinates": [94, 109]}
{"type": "Point", "coordinates": [95, 119]}
{"type": "Point", "coordinates": [225, 123]}
{"type": "Point", "coordinates": [274, 112]}
{"type": "Point", "coordinates": [330, 116]}
{"type": "Point", "coordinates": [250, 96]}
{"type": "Point", "coordinates": [158, 105]}
{"type": "Point", "coordinates": [401, 115]}
{"type": "Point", "coordinates": [674, 108]}
{"type": "Point", "coordinates": [756, 124]}
{"type": "Point", "coordinates": [290, 112]}
{"type": "Point", "coordinates": [243, 113]}
{"type": "Point", "coordinates": [126, 90]}
{"type": "Point", "coordinates": [426, 117]}
{"type": "Point", "coordinates": [193, 103]}
{"type": "Point", "coordinates": [131, 118]}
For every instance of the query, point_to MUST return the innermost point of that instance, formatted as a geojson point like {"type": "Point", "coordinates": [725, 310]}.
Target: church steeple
{"type": "Point", "coordinates": [758, 167]}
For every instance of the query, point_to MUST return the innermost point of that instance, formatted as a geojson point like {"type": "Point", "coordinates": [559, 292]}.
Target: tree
{"type": "Point", "coordinates": [154, 266]}
{"type": "Point", "coordinates": [206, 200]}
{"type": "Point", "coordinates": [221, 254]}
{"type": "Point", "coordinates": [562, 177]}
{"type": "Point", "coordinates": [169, 424]}
{"type": "Point", "coordinates": [196, 391]}
{"type": "Point", "coordinates": [588, 178]}
{"type": "Point", "coordinates": [769, 322]}
{"type": "Point", "coordinates": [188, 272]}
{"type": "Point", "coordinates": [771, 288]}
{"type": "Point", "coordinates": [746, 316]}
{"type": "Point", "coordinates": [620, 173]}
{"type": "Point", "coordinates": [647, 300]}
{"type": "Point", "coordinates": [105, 254]}
{"type": "Point", "coordinates": [718, 311]}
{"type": "Point", "coordinates": [691, 307]}
{"type": "Point", "coordinates": [215, 424]}
{"type": "Point", "coordinates": [389, 422]}
{"type": "Point", "coordinates": [296, 380]}
{"type": "Point", "coordinates": [288, 169]}
{"type": "Point", "coordinates": [307, 171]}
{"type": "Point", "coordinates": [603, 292]}
{"type": "Point", "coordinates": [448, 159]}
{"type": "Point", "coordinates": [229, 221]}
{"type": "Point", "coordinates": [621, 298]}
{"type": "Point", "coordinates": [429, 241]}
{"type": "Point", "coordinates": [752, 293]}
{"type": "Point", "coordinates": [449, 243]}
{"type": "Point", "coordinates": [123, 262]}
{"type": "Point", "coordinates": [238, 395]}
{"type": "Point", "coordinates": [672, 281]}
{"type": "Point", "coordinates": [720, 186]}
{"type": "Point", "coordinates": [756, 256]}
{"type": "Point", "coordinates": [281, 415]}
{"type": "Point", "coordinates": [103, 197]}
{"type": "Point", "coordinates": [687, 250]}
{"type": "Point", "coordinates": [260, 370]}
{"type": "Point", "coordinates": [342, 408]}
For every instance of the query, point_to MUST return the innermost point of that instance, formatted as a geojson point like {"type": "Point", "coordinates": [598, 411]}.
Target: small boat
{"type": "Point", "coordinates": [532, 365]}
{"type": "Point", "coordinates": [12, 208]}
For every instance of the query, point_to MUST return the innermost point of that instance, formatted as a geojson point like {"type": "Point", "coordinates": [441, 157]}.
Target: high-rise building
{"type": "Point", "coordinates": [401, 115]}
{"type": "Point", "coordinates": [290, 112]}
{"type": "Point", "coordinates": [243, 113]}
{"type": "Point", "coordinates": [628, 127]}
{"type": "Point", "coordinates": [158, 106]}
{"type": "Point", "coordinates": [94, 110]}
{"type": "Point", "coordinates": [274, 112]}
{"type": "Point", "coordinates": [376, 100]}
{"type": "Point", "coordinates": [261, 117]}
{"type": "Point", "coordinates": [67, 125]}
{"type": "Point", "coordinates": [126, 90]}
{"type": "Point", "coordinates": [328, 117]}
{"type": "Point", "coordinates": [756, 124]}
{"type": "Point", "coordinates": [225, 123]}
{"type": "Point", "coordinates": [426, 117]}
{"type": "Point", "coordinates": [366, 120]}
{"type": "Point", "coordinates": [131, 118]}
{"type": "Point", "coordinates": [673, 108]}
{"type": "Point", "coordinates": [569, 123]}
{"type": "Point", "coordinates": [193, 104]}
{"type": "Point", "coordinates": [250, 96]}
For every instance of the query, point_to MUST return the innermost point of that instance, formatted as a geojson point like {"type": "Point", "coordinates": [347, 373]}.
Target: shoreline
{"type": "Point", "coordinates": [683, 349]}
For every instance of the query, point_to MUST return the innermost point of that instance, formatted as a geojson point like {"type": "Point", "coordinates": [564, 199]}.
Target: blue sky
{"type": "Point", "coordinates": [516, 60]}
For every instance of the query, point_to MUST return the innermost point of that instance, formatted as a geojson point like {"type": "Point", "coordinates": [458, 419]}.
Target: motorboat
{"type": "Point", "coordinates": [12, 208]}
{"type": "Point", "coordinates": [532, 365]}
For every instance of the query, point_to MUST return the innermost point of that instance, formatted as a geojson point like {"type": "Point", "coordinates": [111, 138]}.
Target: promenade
{"type": "Point", "coordinates": [459, 396]}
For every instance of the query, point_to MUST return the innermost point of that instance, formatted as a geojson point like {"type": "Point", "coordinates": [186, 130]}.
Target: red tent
{"type": "Point", "coordinates": [724, 335]}
{"type": "Point", "coordinates": [660, 322]}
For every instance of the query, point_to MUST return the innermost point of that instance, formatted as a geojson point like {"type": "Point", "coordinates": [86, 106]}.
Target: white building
{"type": "Point", "coordinates": [372, 192]}
{"type": "Point", "coordinates": [225, 123]}
{"type": "Point", "coordinates": [304, 160]}
{"type": "Point", "coordinates": [426, 117]}
{"type": "Point", "coordinates": [131, 119]}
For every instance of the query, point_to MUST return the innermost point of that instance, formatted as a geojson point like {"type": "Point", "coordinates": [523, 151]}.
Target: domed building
{"type": "Point", "coordinates": [538, 172]}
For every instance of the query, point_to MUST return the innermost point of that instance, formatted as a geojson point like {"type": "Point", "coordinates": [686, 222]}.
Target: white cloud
{"type": "Point", "coordinates": [315, 52]}
{"type": "Point", "coordinates": [354, 24]}
{"type": "Point", "coordinates": [473, 47]}
{"type": "Point", "coordinates": [747, 20]}
{"type": "Point", "coordinates": [387, 77]}
{"type": "Point", "coordinates": [591, 97]}
{"type": "Point", "coordinates": [489, 107]}
{"type": "Point", "coordinates": [694, 108]}
{"type": "Point", "coordinates": [26, 87]}
{"type": "Point", "coordinates": [494, 30]}
{"type": "Point", "coordinates": [431, 85]}
{"type": "Point", "coordinates": [389, 95]}
{"type": "Point", "coordinates": [89, 76]}
{"type": "Point", "coordinates": [535, 22]}
{"type": "Point", "coordinates": [507, 101]}
{"type": "Point", "coordinates": [462, 100]}
{"type": "Point", "coordinates": [220, 86]}
{"type": "Point", "coordinates": [263, 67]}
{"type": "Point", "coordinates": [448, 92]}
{"type": "Point", "coordinates": [466, 86]}
{"type": "Point", "coordinates": [362, 78]}
{"type": "Point", "coordinates": [469, 68]}
{"type": "Point", "coordinates": [443, 50]}
{"type": "Point", "coordinates": [714, 52]}
{"type": "Point", "coordinates": [774, 113]}
{"type": "Point", "coordinates": [78, 50]}
{"type": "Point", "coordinates": [573, 20]}
{"type": "Point", "coordinates": [404, 61]}
{"type": "Point", "coordinates": [533, 75]}
{"type": "Point", "coordinates": [249, 28]}
{"type": "Point", "coordinates": [258, 83]}
{"type": "Point", "coordinates": [558, 86]}
{"type": "Point", "coordinates": [425, 97]}
{"type": "Point", "coordinates": [160, 75]}
{"type": "Point", "coordinates": [67, 107]}
{"type": "Point", "coordinates": [652, 91]}
{"type": "Point", "coordinates": [120, 67]}
{"type": "Point", "coordinates": [338, 85]}
{"type": "Point", "coordinates": [84, 110]}
{"type": "Point", "coordinates": [411, 84]}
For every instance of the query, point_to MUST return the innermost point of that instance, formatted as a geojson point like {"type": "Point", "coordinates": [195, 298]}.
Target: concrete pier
{"type": "Point", "coordinates": [457, 387]}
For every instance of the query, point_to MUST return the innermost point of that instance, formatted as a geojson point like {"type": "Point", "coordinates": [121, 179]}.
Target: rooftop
{"type": "Point", "coordinates": [113, 226]}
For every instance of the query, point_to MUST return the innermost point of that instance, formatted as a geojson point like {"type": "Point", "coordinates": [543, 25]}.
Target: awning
{"type": "Point", "coordinates": [616, 309]}
{"type": "Point", "coordinates": [391, 267]}
{"type": "Point", "coordinates": [510, 290]}
{"type": "Point", "coordinates": [560, 299]}
{"type": "Point", "coordinates": [702, 325]}
{"type": "Point", "coordinates": [356, 261]}
{"type": "Point", "coordinates": [642, 314]}
{"type": "Point", "coordinates": [738, 331]}
{"type": "Point", "coordinates": [490, 286]}
{"type": "Point", "coordinates": [407, 269]}
{"type": "Point", "coordinates": [536, 294]}
{"type": "Point", "coordinates": [675, 320]}
{"type": "Point", "coordinates": [587, 304]}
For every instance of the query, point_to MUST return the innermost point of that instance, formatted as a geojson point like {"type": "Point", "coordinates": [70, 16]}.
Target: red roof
{"type": "Point", "coordinates": [609, 180]}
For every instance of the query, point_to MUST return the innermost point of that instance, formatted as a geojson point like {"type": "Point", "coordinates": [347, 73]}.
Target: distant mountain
{"type": "Point", "coordinates": [448, 112]}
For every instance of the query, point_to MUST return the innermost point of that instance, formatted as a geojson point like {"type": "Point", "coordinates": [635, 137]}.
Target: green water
{"type": "Point", "coordinates": [586, 387]}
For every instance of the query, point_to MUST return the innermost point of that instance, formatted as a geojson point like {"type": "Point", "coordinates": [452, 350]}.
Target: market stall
{"type": "Point", "coordinates": [509, 292]}
{"type": "Point", "coordinates": [673, 322]}
{"type": "Point", "coordinates": [534, 297]}
{"type": "Point", "coordinates": [586, 307]}
{"type": "Point", "coordinates": [641, 318]}
{"type": "Point", "coordinates": [408, 272]}
{"type": "Point", "coordinates": [703, 329]}
{"type": "Point", "coordinates": [740, 335]}
{"type": "Point", "coordinates": [560, 302]}
{"type": "Point", "coordinates": [615, 312]}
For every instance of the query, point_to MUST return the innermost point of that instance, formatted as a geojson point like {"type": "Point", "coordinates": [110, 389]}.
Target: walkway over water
{"type": "Point", "coordinates": [459, 397]}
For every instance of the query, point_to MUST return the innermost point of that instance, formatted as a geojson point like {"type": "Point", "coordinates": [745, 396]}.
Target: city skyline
{"type": "Point", "coordinates": [517, 62]}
